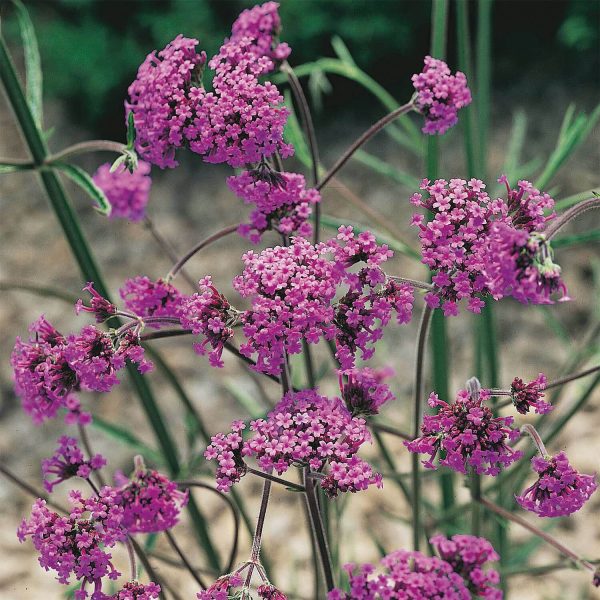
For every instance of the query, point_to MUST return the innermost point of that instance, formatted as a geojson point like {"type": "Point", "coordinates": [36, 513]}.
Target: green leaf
{"type": "Point", "coordinates": [128, 439]}
{"type": "Point", "coordinates": [574, 199]}
{"type": "Point", "coordinates": [340, 48]}
{"type": "Point", "coordinates": [8, 168]}
{"type": "Point", "coordinates": [131, 133]}
{"type": "Point", "coordinates": [33, 66]}
{"type": "Point", "coordinates": [294, 135]}
{"type": "Point", "coordinates": [576, 239]}
{"type": "Point", "coordinates": [86, 183]}
{"type": "Point", "coordinates": [318, 86]}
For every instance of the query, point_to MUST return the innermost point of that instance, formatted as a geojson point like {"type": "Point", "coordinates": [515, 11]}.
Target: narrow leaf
{"type": "Point", "coordinates": [384, 168]}
{"type": "Point", "coordinates": [86, 183]}
{"type": "Point", "coordinates": [340, 48]}
{"type": "Point", "coordinates": [131, 133]}
{"type": "Point", "coordinates": [33, 66]}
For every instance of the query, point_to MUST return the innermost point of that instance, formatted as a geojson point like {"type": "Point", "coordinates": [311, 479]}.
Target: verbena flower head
{"type": "Point", "coordinates": [559, 490]}
{"type": "Point", "coordinates": [527, 395]}
{"type": "Point", "coordinates": [43, 378]}
{"type": "Point", "coordinates": [477, 246]}
{"type": "Point", "coordinates": [270, 592]}
{"type": "Point", "coordinates": [150, 501]}
{"type": "Point", "coordinates": [439, 95]}
{"type": "Point", "coordinates": [282, 203]}
{"type": "Point", "coordinates": [303, 429]}
{"type": "Point", "coordinates": [293, 290]}
{"type": "Point", "coordinates": [521, 265]}
{"type": "Point", "coordinates": [99, 306]}
{"type": "Point", "coordinates": [128, 193]}
{"type": "Point", "coordinates": [241, 121]}
{"type": "Point", "coordinates": [467, 435]}
{"type": "Point", "coordinates": [262, 25]}
{"type": "Point", "coordinates": [467, 555]}
{"type": "Point", "coordinates": [147, 298]}
{"type": "Point", "coordinates": [162, 101]}
{"type": "Point", "coordinates": [68, 461]}
{"type": "Point", "coordinates": [74, 546]}
{"type": "Point", "coordinates": [133, 590]}
{"type": "Point", "coordinates": [364, 391]}
{"type": "Point", "coordinates": [208, 313]}
{"type": "Point", "coordinates": [222, 588]}
{"type": "Point", "coordinates": [407, 576]}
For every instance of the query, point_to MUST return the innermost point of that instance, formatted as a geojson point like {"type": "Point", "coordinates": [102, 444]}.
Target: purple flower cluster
{"type": "Point", "coordinates": [133, 590]}
{"type": "Point", "coordinates": [49, 368]}
{"type": "Point", "coordinates": [408, 576]}
{"type": "Point", "coordinates": [68, 461]}
{"type": "Point", "coordinates": [262, 25]}
{"type": "Point", "coordinates": [521, 265]}
{"type": "Point", "coordinates": [209, 313]}
{"type": "Point", "coordinates": [225, 587]}
{"type": "Point", "coordinates": [293, 288]}
{"type": "Point", "coordinates": [99, 306]}
{"type": "Point", "coordinates": [475, 245]}
{"type": "Point", "coordinates": [303, 429]}
{"type": "Point", "coordinates": [282, 203]}
{"type": "Point", "coordinates": [147, 298]}
{"type": "Point", "coordinates": [364, 391]}
{"type": "Point", "coordinates": [439, 95]}
{"type": "Point", "coordinates": [467, 555]}
{"type": "Point", "coordinates": [163, 101]}
{"type": "Point", "coordinates": [560, 490]}
{"type": "Point", "coordinates": [150, 501]}
{"type": "Point", "coordinates": [527, 395]}
{"type": "Point", "coordinates": [467, 435]}
{"type": "Point", "coordinates": [75, 545]}
{"type": "Point", "coordinates": [128, 193]}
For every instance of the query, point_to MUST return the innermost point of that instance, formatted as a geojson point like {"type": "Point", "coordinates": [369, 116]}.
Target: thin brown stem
{"type": "Point", "coordinates": [569, 215]}
{"type": "Point", "coordinates": [391, 430]}
{"type": "Point", "coordinates": [132, 565]}
{"type": "Point", "coordinates": [260, 522]}
{"type": "Point", "coordinates": [85, 441]}
{"type": "Point", "coordinates": [414, 282]}
{"type": "Point", "coordinates": [149, 568]}
{"type": "Point", "coordinates": [535, 436]}
{"type": "Point", "coordinates": [198, 247]}
{"type": "Point", "coordinates": [538, 532]}
{"type": "Point", "coordinates": [364, 138]}
{"type": "Point", "coordinates": [165, 333]}
{"type": "Point", "coordinates": [173, 542]}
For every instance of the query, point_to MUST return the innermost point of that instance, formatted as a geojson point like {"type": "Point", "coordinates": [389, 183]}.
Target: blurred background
{"type": "Point", "coordinates": [545, 58]}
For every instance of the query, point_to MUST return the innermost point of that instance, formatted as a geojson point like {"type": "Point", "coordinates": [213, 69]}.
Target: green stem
{"type": "Point", "coordinates": [89, 268]}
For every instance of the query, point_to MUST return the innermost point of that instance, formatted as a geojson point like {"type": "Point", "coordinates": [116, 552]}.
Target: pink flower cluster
{"type": "Point", "coordinates": [282, 203]}
{"type": "Point", "coordinates": [439, 95]}
{"type": "Point", "coordinates": [128, 193]}
{"type": "Point", "coordinates": [293, 288]}
{"type": "Point", "coordinates": [527, 395]}
{"type": "Point", "coordinates": [408, 576]}
{"type": "Point", "coordinates": [467, 555]}
{"type": "Point", "coordinates": [478, 246]}
{"type": "Point", "coordinates": [209, 313]}
{"type": "Point", "coordinates": [150, 501]}
{"type": "Point", "coordinates": [147, 298]}
{"type": "Point", "coordinates": [262, 25]}
{"type": "Point", "coordinates": [75, 545]}
{"type": "Point", "coordinates": [303, 429]}
{"type": "Point", "coordinates": [162, 101]}
{"type": "Point", "coordinates": [467, 435]}
{"type": "Point", "coordinates": [225, 587]}
{"type": "Point", "coordinates": [133, 590]}
{"type": "Point", "coordinates": [99, 306]}
{"type": "Point", "coordinates": [560, 490]}
{"type": "Point", "coordinates": [49, 368]}
{"type": "Point", "coordinates": [68, 461]}
{"type": "Point", "coordinates": [364, 391]}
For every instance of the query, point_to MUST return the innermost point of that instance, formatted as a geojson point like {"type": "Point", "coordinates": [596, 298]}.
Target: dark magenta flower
{"type": "Point", "coordinates": [439, 95]}
{"type": "Point", "coordinates": [364, 391]}
{"type": "Point", "coordinates": [150, 501]}
{"type": "Point", "coordinates": [133, 590]}
{"type": "Point", "coordinates": [221, 588]}
{"type": "Point", "coordinates": [162, 101]}
{"type": "Point", "coordinates": [128, 193]}
{"type": "Point", "coordinates": [559, 490]}
{"type": "Point", "coordinates": [282, 204]}
{"type": "Point", "coordinates": [466, 435]}
{"type": "Point", "coordinates": [147, 298]}
{"type": "Point", "coordinates": [68, 461]}
{"type": "Point", "coordinates": [527, 395]}
{"type": "Point", "coordinates": [467, 555]}
{"type": "Point", "coordinates": [303, 429]}
{"type": "Point", "coordinates": [99, 306]}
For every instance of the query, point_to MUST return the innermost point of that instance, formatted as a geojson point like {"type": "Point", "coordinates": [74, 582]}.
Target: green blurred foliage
{"type": "Point", "coordinates": [91, 48]}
